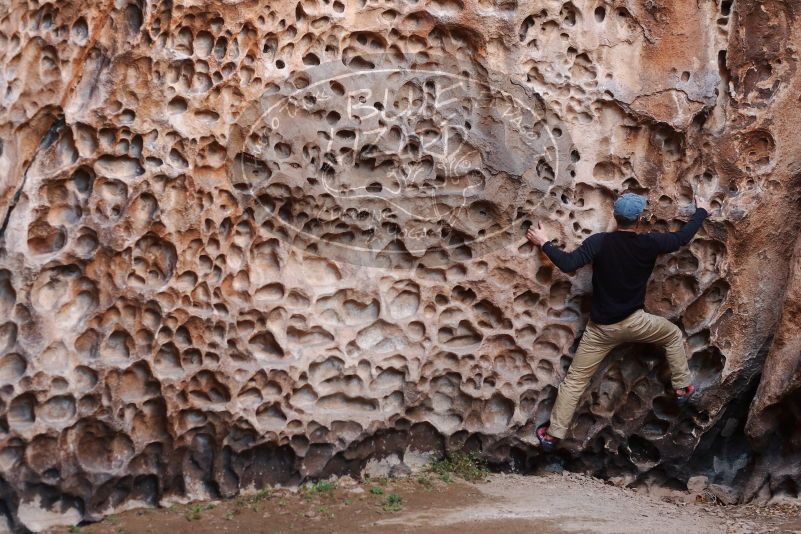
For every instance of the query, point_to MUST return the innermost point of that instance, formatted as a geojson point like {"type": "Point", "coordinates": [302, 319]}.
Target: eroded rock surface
{"type": "Point", "coordinates": [246, 243]}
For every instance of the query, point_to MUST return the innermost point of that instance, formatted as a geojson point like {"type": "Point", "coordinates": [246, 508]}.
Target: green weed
{"type": "Point", "coordinates": [393, 503]}
{"type": "Point", "coordinates": [470, 467]}
{"type": "Point", "coordinates": [194, 513]}
{"type": "Point", "coordinates": [252, 501]}
{"type": "Point", "coordinates": [323, 486]}
{"type": "Point", "coordinates": [257, 497]}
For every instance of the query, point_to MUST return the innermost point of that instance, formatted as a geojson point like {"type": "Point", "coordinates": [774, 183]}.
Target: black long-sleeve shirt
{"type": "Point", "coordinates": [622, 264]}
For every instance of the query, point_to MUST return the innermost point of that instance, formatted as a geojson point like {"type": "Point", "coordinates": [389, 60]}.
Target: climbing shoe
{"type": "Point", "coordinates": [547, 442]}
{"type": "Point", "coordinates": [683, 395]}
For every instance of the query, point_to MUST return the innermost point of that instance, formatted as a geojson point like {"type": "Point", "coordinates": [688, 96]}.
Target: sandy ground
{"type": "Point", "coordinates": [507, 503]}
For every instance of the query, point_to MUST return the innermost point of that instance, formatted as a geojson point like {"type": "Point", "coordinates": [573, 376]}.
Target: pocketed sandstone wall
{"type": "Point", "coordinates": [253, 242]}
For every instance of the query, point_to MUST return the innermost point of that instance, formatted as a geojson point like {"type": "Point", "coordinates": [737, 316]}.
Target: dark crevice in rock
{"type": "Point", "coordinates": [724, 453]}
{"type": "Point", "coordinates": [48, 139]}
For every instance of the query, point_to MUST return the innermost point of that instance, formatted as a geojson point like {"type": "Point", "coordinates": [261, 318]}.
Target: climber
{"type": "Point", "coordinates": [622, 263]}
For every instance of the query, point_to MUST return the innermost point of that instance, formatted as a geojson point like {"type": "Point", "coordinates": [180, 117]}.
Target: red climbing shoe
{"type": "Point", "coordinates": [547, 441]}
{"type": "Point", "coordinates": [684, 394]}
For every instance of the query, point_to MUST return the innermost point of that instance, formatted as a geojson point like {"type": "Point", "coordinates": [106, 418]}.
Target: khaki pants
{"type": "Point", "coordinates": [596, 343]}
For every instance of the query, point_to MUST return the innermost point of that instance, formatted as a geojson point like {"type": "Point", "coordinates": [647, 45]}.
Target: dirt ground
{"type": "Point", "coordinates": [508, 503]}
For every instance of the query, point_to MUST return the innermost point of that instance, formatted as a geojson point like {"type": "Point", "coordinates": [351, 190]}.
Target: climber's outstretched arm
{"type": "Point", "coordinates": [567, 262]}
{"type": "Point", "coordinates": [673, 241]}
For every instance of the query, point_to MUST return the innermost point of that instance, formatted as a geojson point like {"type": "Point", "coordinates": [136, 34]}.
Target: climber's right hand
{"type": "Point", "coordinates": [703, 203]}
